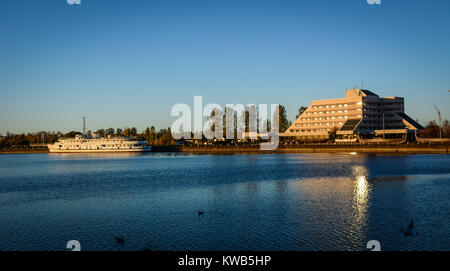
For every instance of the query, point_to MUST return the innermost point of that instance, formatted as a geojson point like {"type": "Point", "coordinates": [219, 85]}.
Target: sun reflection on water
{"type": "Point", "coordinates": [361, 192]}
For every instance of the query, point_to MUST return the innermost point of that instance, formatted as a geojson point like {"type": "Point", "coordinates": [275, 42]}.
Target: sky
{"type": "Point", "coordinates": [125, 63]}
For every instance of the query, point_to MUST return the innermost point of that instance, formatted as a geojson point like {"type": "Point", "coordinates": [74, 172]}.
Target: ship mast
{"type": "Point", "coordinates": [84, 126]}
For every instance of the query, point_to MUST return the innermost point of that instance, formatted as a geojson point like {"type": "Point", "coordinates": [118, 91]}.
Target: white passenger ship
{"type": "Point", "coordinates": [99, 144]}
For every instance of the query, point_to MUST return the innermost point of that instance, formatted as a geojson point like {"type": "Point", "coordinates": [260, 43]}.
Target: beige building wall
{"type": "Point", "coordinates": [324, 115]}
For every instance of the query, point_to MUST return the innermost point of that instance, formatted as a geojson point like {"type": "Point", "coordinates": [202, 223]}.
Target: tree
{"type": "Point", "coordinates": [446, 129]}
{"type": "Point", "coordinates": [72, 134]}
{"type": "Point", "coordinates": [147, 134]}
{"type": "Point", "coordinates": [109, 131]}
{"type": "Point", "coordinates": [152, 135]}
{"type": "Point", "coordinates": [168, 139]}
{"type": "Point", "coordinates": [133, 131]}
{"type": "Point", "coordinates": [284, 123]}
{"type": "Point", "coordinates": [231, 113]}
{"type": "Point", "coordinates": [332, 133]}
{"type": "Point", "coordinates": [101, 132]}
{"type": "Point", "coordinates": [430, 131]}
{"type": "Point", "coordinates": [119, 132]}
{"type": "Point", "coordinates": [300, 111]}
{"type": "Point", "coordinates": [127, 132]}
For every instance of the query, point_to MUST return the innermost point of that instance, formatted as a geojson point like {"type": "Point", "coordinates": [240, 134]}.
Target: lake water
{"type": "Point", "coordinates": [250, 202]}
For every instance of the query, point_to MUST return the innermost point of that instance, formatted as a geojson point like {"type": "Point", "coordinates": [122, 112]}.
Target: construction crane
{"type": "Point", "coordinates": [440, 121]}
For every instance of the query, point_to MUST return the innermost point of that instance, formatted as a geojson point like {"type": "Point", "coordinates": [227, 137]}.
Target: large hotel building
{"type": "Point", "coordinates": [361, 112]}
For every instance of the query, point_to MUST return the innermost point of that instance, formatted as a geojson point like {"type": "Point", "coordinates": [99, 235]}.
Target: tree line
{"type": "Point", "coordinates": [164, 136]}
{"type": "Point", "coordinates": [432, 130]}
{"type": "Point", "coordinates": [161, 137]}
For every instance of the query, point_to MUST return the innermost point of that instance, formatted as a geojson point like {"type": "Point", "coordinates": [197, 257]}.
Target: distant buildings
{"type": "Point", "coordinates": [361, 112]}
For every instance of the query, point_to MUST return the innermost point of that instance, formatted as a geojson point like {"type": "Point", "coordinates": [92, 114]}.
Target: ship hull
{"type": "Point", "coordinates": [99, 145]}
{"type": "Point", "coordinates": [99, 151]}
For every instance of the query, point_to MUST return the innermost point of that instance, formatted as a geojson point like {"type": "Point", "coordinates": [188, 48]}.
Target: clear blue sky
{"type": "Point", "coordinates": [125, 63]}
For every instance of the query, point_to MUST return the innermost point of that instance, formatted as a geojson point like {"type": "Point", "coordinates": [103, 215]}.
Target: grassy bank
{"type": "Point", "coordinates": [24, 149]}
{"type": "Point", "coordinates": [324, 148]}
{"type": "Point", "coordinates": [255, 149]}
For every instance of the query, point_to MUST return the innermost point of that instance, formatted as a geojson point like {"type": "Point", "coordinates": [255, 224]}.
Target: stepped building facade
{"type": "Point", "coordinates": [361, 112]}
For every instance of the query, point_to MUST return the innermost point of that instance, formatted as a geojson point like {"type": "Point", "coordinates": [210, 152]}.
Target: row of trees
{"type": "Point", "coordinates": [284, 123]}
{"type": "Point", "coordinates": [432, 130]}
{"type": "Point", "coordinates": [164, 136]}
{"type": "Point", "coordinates": [161, 137]}
{"type": "Point", "coordinates": [26, 139]}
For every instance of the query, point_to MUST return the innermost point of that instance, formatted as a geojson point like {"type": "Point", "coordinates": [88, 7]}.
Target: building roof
{"type": "Point", "coordinates": [368, 92]}
{"type": "Point", "coordinates": [409, 121]}
{"type": "Point", "coordinates": [350, 125]}
{"type": "Point", "coordinates": [359, 92]}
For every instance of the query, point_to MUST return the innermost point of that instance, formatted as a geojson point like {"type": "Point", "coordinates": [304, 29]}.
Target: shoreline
{"type": "Point", "coordinates": [306, 148]}
{"type": "Point", "coordinates": [322, 149]}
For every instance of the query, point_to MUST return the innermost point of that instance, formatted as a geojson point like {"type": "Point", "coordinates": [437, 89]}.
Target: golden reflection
{"type": "Point", "coordinates": [361, 192]}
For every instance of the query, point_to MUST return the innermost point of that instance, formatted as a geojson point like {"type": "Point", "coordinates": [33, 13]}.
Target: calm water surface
{"type": "Point", "coordinates": [250, 202]}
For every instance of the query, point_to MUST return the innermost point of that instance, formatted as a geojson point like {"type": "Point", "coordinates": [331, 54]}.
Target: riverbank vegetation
{"type": "Point", "coordinates": [164, 137]}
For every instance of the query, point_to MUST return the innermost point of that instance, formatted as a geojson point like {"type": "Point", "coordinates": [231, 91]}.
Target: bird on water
{"type": "Point", "coordinates": [119, 240]}
{"type": "Point", "coordinates": [410, 230]}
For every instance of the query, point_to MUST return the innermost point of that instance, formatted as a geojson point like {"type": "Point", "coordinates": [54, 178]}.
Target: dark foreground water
{"type": "Point", "coordinates": [250, 202]}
